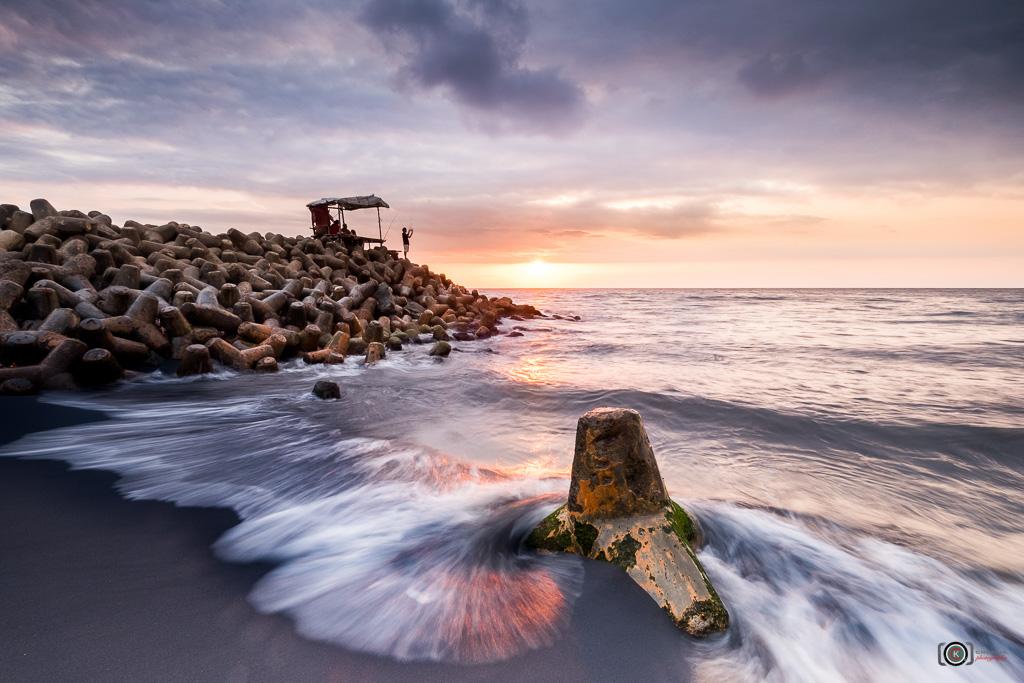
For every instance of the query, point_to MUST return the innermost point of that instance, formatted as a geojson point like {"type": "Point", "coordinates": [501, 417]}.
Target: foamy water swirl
{"type": "Point", "coordinates": [381, 548]}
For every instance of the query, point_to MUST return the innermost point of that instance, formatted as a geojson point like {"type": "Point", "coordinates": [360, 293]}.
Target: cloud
{"type": "Point", "coordinates": [774, 75]}
{"type": "Point", "coordinates": [708, 102]}
{"type": "Point", "coordinates": [568, 234]}
{"type": "Point", "coordinates": [897, 51]}
{"type": "Point", "coordinates": [474, 54]}
{"type": "Point", "coordinates": [688, 220]}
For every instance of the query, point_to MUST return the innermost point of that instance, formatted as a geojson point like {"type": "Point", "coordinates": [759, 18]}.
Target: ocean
{"type": "Point", "coordinates": [854, 457]}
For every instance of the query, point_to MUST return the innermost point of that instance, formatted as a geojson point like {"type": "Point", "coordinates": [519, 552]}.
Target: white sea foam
{"type": "Point", "coordinates": [812, 603]}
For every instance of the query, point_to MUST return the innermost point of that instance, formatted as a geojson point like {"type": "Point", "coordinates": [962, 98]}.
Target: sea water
{"type": "Point", "coordinates": [855, 457]}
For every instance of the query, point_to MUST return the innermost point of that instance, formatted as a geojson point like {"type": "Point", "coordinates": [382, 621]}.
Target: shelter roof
{"type": "Point", "coordinates": [351, 203]}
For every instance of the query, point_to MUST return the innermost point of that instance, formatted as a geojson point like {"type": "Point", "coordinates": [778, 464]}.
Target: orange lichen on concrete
{"type": "Point", "coordinates": [614, 470]}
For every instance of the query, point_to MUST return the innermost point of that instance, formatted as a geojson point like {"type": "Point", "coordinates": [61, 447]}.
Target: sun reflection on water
{"type": "Point", "coordinates": [538, 468]}
{"type": "Point", "coordinates": [531, 370]}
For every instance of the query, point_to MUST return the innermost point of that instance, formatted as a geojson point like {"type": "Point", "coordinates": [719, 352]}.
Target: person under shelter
{"type": "Point", "coordinates": [321, 217]}
{"type": "Point", "coordinates": [348, 237]}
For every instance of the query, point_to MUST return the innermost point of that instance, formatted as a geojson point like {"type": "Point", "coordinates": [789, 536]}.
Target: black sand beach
{"type": "Point", "coordinates": [97, 588]}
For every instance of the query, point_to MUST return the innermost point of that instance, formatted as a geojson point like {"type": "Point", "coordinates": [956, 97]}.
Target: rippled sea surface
{"type": "Point", "coordinates": [856, 458]}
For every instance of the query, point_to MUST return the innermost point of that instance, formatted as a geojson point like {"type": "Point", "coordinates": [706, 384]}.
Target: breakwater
{"type": "Point", "coordinates": [84, 301]}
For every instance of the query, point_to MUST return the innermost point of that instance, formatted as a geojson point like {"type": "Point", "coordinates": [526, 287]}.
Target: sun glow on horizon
{"type": "Point", "coordinates": [741, 273]}
{"type": "Point", "coordinates": [539, 273]}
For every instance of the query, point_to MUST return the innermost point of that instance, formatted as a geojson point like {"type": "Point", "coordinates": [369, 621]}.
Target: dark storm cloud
{"type": "Point", "coordinates": [517, 61]}
{"type": "Point", "coordinates": [778, 47]}
{"type": "Point", "coordinates": [772, 75]}
{"type": "Point", "coordinates": [271, 59]}
{"type": "Point", "coordinates": [836, 93]}
{"type": "Point", "coordinates": [473, 50]}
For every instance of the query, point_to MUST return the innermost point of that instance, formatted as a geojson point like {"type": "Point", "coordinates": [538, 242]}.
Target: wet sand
{"type": "Point", "coordinates": [97, 588]}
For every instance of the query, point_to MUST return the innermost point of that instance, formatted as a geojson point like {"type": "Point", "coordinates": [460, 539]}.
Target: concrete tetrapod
{"type": "Point", "coordinates": [619, 511]}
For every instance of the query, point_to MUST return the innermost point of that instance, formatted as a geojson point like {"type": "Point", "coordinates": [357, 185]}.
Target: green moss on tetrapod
{"type": "Point", "coordinates": [623, 552]}
{"type": "Point", "coordinates": [550, 535]}
{"type": "Point", "coordinates": [585, 535]}
{"type": "Point", "coordinates": [687, 532]}
{"type": "Point", "coordinates": [681, 524]}
{"type": "Point", "coordinates": [705, 616]}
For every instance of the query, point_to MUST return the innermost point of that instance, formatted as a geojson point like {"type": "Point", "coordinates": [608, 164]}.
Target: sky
{"type": "Point", "coordinates": [576, 143]}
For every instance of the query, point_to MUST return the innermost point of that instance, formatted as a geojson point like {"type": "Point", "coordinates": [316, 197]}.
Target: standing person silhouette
{"type": "Point", "coordinates": [406, 234]}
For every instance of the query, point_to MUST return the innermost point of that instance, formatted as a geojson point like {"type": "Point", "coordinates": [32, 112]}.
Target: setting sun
{"type": "Point", "coordinates": [539, 274]}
